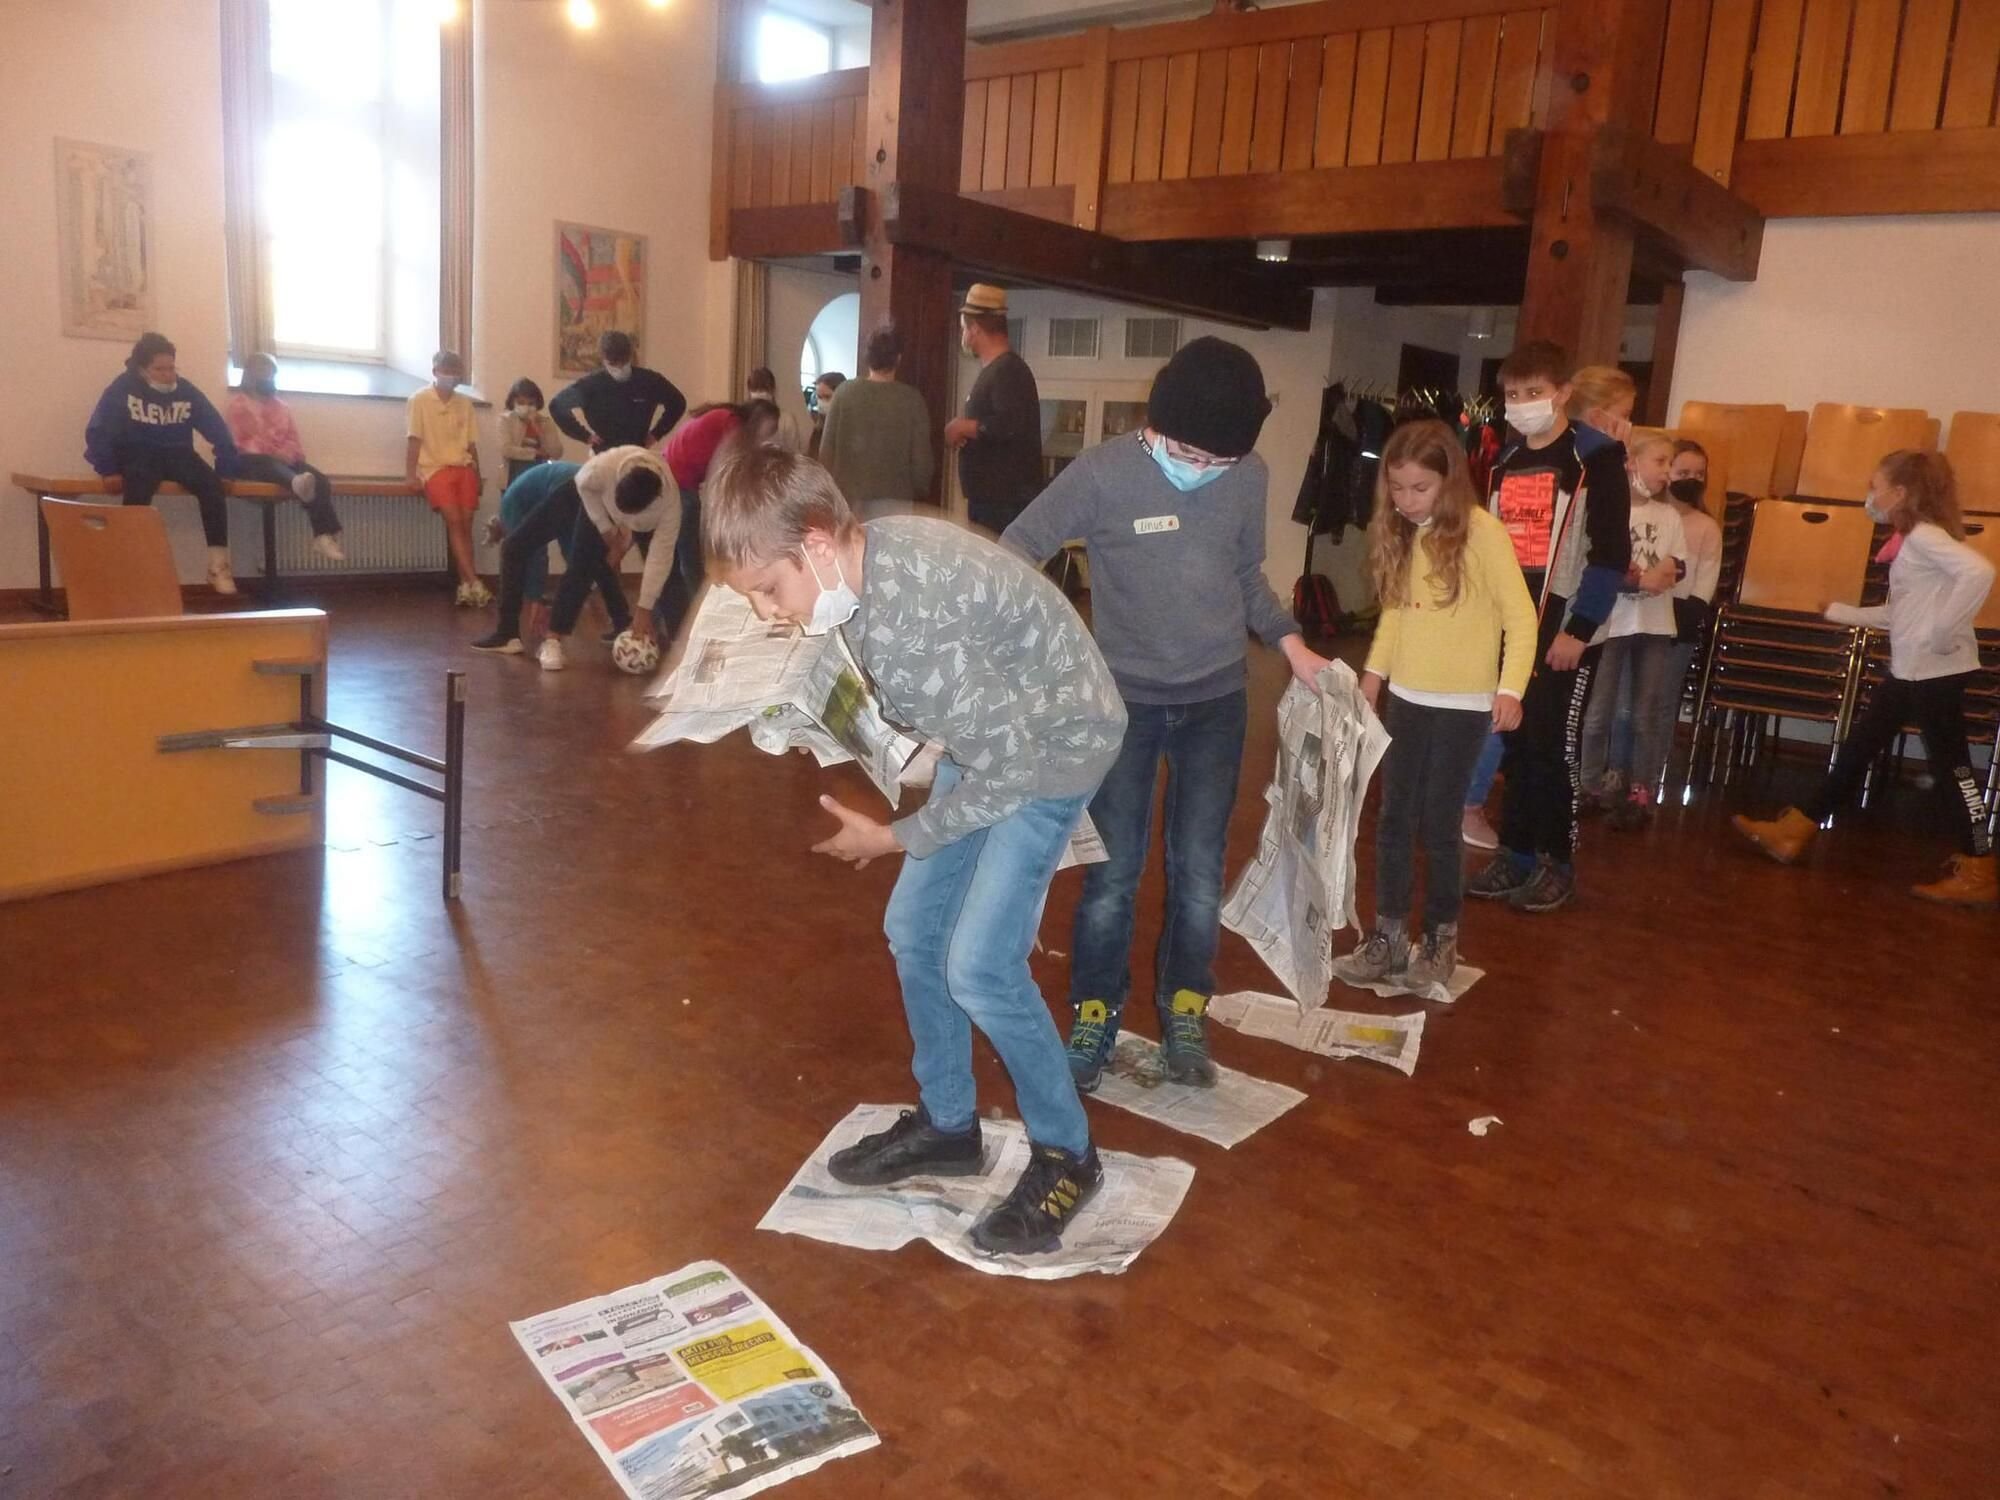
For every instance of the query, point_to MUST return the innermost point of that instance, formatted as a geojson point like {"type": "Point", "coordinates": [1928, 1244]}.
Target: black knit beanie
{"type": "Point", "coordinates": [1210, 395]}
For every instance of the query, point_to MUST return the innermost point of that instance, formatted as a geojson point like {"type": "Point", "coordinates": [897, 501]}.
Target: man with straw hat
{"type": "Point", "coordinates": [999, 439]}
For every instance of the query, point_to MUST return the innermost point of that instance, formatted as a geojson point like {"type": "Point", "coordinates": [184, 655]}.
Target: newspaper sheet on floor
{"type": "Point", "coordinates": [1331, 1033]}
{"type": "Point", "coordinates": [1463, 978]}
{"type": "Point", "coordinates": [1234, 1110]}
{"type": "Point", "coordinates": [688, 1385]}
{"type": "Point", "coordinates": [1139, 1198]}
{"type": "Point", "coordinates": [1299, 888]}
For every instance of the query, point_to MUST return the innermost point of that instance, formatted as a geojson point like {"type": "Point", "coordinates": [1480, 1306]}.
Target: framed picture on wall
{"type": "Point", "coordinates": [600, 285]}
{"type": "Point", "coordinates": [104, 240]}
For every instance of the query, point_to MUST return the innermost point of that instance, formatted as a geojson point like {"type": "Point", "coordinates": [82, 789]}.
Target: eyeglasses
{"type": "Point", "coordinates": [1194, 457]}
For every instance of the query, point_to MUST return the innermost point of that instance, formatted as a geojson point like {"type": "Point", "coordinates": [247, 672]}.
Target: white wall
{"type": "Point", "coordinates": [562, 121]}
{"type": "Point", "coordinates": [836, 333]}
{"type": "Point", "coordinates": [1881, 312]}
{"type": "Point", "coordinates": [797, 298]}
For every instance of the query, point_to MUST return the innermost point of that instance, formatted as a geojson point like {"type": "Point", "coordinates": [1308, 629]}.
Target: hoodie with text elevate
{"type": "Point", "coordinates": [132, 417]}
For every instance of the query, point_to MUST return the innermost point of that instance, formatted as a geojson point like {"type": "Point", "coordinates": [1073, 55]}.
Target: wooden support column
{"type": "Point", "coordinates": [916, 106]}
{"type": "Point", "coordinates": [1605, 58]}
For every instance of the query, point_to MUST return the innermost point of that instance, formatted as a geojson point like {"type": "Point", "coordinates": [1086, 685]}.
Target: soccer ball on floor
{"type": "Point", "coordinates": [634, 653]}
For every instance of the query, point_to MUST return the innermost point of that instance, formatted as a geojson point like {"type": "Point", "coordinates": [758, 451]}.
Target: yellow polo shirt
{"type": "Point", "coordinates": [443, 429]}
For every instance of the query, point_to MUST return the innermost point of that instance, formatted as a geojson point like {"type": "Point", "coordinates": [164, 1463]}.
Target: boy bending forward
{"type": "Point", "coordinates": [968, 647]}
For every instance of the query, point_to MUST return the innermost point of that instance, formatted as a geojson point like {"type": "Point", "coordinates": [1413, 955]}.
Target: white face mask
{"type": "Point", "coordinates": [619, 372]}
{"type": "Point", "coordinates": [834, 606]}
{"type": "Point", "coordinates": [1877, 512]}
{"type": "Point", "coordinates": [446, 385]}
{"type": "Point", "coordinates": [1531, 418]}
{"type": "Point", "coordinates": [165, 390]}
{"type": "Point", "coordinates": [1640, 488]}
{"type": "Point", "coordinates": [523, 410]}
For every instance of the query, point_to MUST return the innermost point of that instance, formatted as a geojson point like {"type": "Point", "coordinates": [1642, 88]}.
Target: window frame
{"type": "Point", "coordinates": [1070, 326]}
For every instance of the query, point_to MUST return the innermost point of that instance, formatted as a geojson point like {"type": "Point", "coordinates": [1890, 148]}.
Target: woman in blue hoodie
{"type": "Point", "coordinates": [143, 431]}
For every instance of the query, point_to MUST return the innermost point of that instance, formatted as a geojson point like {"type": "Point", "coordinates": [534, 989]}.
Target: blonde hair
{"type": "Point", "coordinates": [760, 501]}
{"type": "Point", "coordinates": [1598, 388]}
{"type": "Point", "coordinates": [1928, 480]}
{"type": "Point", "coordinates": [1392, 539]}
{"type": "Point", "coordinates": [1644, 439]}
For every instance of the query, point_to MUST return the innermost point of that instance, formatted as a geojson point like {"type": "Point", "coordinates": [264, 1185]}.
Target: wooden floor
{"type": "Point", "coordinates": [285, 1145]}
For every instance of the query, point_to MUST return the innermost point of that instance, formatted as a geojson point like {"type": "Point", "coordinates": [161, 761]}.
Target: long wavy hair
{"type": "Point", "coordinates": [1392, 539]}
{"type": "Point", "coordinates": [1932, 487]}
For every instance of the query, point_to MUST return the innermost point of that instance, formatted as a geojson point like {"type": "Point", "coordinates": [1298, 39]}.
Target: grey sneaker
{"type": "Point", "coordinates": [1503, 875]}
{"type": "Point", "coordinates": [1184, 1029]}
{"type": "Point", "coordinates": [1092, 1033]}
{"type": "Point", "coordinates": [1551, 888]}
{"type": "Point", "coordinates": [1384, 953]}
{"type": "Point", "coordinates": [1433, 963]}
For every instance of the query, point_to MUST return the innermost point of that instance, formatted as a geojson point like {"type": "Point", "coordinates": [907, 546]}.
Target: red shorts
{"type": "Point", "coordinates": [456, 488]}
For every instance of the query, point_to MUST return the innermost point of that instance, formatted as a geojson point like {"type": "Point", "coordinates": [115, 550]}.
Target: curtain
{"type": "Point", "coordinates": [753, 297]}
{"type": "Point", "coordinates": [455, 177]}
{"type": "Point", "coordinates": [246, 115]}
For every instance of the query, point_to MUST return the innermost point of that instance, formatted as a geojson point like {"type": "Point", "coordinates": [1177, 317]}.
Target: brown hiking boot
{"type": "Point", "coordinates": [1784, 838]}
{"type": "Point", "coordinates": [1972, 882]}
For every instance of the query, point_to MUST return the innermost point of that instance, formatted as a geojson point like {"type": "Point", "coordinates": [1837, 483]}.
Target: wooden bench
{"type": "Point", "coordinates": [268, 496]}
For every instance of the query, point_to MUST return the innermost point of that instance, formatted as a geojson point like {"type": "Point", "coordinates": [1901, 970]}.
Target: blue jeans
{"type": "Point", "coordinates": [1485, 769]}
{"type": "Point", "coordinates": [1202, 744]}
{"type": "Point", "coordinates": [960, 924]}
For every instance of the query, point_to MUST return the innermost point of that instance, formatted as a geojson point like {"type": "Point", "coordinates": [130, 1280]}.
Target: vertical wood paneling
{"type": "Point", "coordinates": [1681, 59]}
{"type": "Point", "coordinates": [1975, 60]}
{"type": "Point", "coordinates": [1406, 84]}
{"type": "Point", "coordinates": [993, 166]}
{"type": "Point", "coordinates": [1545, 73]}
{"type": "Point", "coordinates": [760, 158]}
{"type": "Point", "coordinates": [1442, 40]}
{"type": "Point", "coordinates": [823, 137]}
{"type": "Point", "coordinates": [1871, 63]}
{"type": "Point", "coordinates": [1150, 133]}
{"type": "Point", "coordinates": [1267, 130]}
{"type": "Point", "coordinates": [1336, 101]}
{"type": "Point", "coordinates": [1048, 110]}
{"type": "Point", "coordinates": [802, 119]}
{"type": "Point", "coordinates": [1773, 70]}
{"type": "Point", "coordinates": [1239, 108]}
{"type": "Point", "coordinates": [781, 155]}
{"type": "Point", "coordinates": [1302, 102]}
{"type": "Point", "coordinates": [1176, 147]}
{"type": "Point", "coordinates": [1069, 122]}
{"type": "Point", "coordinates": [1211, 91]}
{"type": "Point", "coordinates": [1472, 111]}
{"type": "Point", "coordinates": [972, 145]}
{"type": "Point", "coordinates": [1020, 130]}
{"type": "Point", "coordinates": [857, 131]}
{"type": "Point", "coordinates": [1124, 121]}
{"type": "Point", "coordinates": [1822, 59]}
{"type": "Point", "coordinates": [742, 154]}
{"type": "Point", "coordinates": [1514, 82]}
{"type": "Point", "coordinates": [1371, 89]}
{"type": "Point", "coordinates": [1729, 27]}
{"type": "Point", "coordinates": [1920, 65]}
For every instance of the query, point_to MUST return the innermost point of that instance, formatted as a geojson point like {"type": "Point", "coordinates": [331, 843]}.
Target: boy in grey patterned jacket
{"type": "Point", "coordinates": [970, 648]}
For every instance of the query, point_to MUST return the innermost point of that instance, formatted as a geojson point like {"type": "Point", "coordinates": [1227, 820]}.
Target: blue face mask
{"type": "Point", "coordinates": [1181, 474]}
{"type": "Point", "coordinates": [1877, 513]}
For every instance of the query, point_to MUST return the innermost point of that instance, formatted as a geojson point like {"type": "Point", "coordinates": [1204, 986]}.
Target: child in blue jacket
{"type": "Point", "coordinates": [143, 432]}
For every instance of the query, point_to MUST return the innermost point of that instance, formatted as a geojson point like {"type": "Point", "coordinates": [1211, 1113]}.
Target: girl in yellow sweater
{"type": "Point", "coordinates": [1451, 594]}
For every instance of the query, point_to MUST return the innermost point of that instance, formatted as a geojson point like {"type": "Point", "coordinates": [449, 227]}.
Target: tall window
{"type": "Point", "coordinates": [788, 48]}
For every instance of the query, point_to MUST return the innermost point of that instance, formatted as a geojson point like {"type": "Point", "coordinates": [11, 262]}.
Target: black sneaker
{"type": "Point", "coordinates": [499, 645]}
{"type": "Point", "coordinates": [1031, 1219]}
{"type": "Point", "coordinates": [1092, 1034]}
{"type": "Point", "coordinates": [1501, 878]}
{"type": "Point", "coordinates": [1550, 889]}
{"type": "Point", "coordinates": [912, 1147]}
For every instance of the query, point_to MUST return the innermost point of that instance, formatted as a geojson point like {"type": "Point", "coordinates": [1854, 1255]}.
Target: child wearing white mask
{"type": "Point", "coordinates": [528, 434]}
{"type": "Point", "coordinates": [1561, 492]}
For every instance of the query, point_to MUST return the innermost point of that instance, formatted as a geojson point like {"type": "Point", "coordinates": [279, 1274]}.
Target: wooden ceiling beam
{"type": "Point", "coordinates": [1011, 245]}
{"type": "Point", "coordinates": [1463, 194]}
{"type": "Point", "coordinates": [1660, 193]}
{"type": "Point", "coordinates": [1892, 172]}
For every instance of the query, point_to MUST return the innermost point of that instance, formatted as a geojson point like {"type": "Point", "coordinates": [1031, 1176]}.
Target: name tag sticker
{"type": "Point", "coordinates": [1145, 525]}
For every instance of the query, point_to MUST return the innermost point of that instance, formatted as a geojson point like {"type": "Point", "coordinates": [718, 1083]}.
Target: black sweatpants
{"type": "Point", "coordinates": [146, 469]}
{"type": "Point", "coordinates": [1936, 705]}
{"type": "Point", "coordinates": [1424, 779]}
{"type": "Point", "coordinates": [268, 470]}
{"type": "Point", "coordinates": [1543, 759]}
{"type": "Point", "coordinates": [561, 514]}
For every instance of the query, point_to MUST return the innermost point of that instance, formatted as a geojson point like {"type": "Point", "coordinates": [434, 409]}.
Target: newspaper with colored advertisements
{"type": "Point", "coordinates": [1299, 888]}
{"type": "Point", "coordinates": [1138, 1198]}
{"type": "Point", "coordinates": [688, 1385]}
{"type": "Point", "coordinates": [1393, 1040]}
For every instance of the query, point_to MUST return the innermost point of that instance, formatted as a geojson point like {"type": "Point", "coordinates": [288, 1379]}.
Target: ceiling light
{"type": "Point", "coordinates": [1274, 250]}
{"type": "Point", "coordinates": [582, 14]}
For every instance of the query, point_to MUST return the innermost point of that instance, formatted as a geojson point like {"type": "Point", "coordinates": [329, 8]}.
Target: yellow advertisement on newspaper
{"type": "Point", "coordinates": [744, 1360]}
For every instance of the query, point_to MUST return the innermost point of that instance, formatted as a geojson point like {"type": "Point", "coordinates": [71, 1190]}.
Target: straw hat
{"type": "Point", "coordinates": [983, 298]}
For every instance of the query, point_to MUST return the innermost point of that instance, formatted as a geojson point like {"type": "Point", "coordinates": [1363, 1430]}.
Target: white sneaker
{"type": "Point", "coordinates": [551, 656]}
{"type": "Point", "coordinates": [302, 486]}
{"type": "Point", "coordinates": [328, 547]}
{"type": "Point", "coordinates": [220, 576]}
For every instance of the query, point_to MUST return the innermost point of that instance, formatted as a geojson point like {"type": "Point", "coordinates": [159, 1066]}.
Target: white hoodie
{"type": "Point", "coordinates": [597, 484]}
{"type": "Point", "coordinates": [1936, 586]}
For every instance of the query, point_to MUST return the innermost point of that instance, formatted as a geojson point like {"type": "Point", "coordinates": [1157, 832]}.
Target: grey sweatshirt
{"type": "Point", "coordinates": [1176, 580]}
{"type": "Point", "coordinates": [971, 648]}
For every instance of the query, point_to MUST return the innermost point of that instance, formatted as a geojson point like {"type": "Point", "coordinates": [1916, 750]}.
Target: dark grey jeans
{"type": "Point", "coordinates": [1424, 778]}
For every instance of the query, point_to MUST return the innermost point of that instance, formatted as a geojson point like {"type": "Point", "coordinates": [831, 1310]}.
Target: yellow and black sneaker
{"type": "Point", "coordinates": [1184, 1040]}
{"type": "Point", "coordinates": [1093, 1031]}
{"type": "Point", "coordinates": [1031, 1219]}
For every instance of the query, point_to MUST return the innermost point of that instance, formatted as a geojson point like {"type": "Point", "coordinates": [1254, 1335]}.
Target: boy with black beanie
{"type": "Point", "coordinates": [1561, 491]}
{"type": "Point", "coordinates": [1173, 519]}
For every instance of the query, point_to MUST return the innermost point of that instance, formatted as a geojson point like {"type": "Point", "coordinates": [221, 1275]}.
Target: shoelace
{"type": "Point", "coordinates": [1185, 1032]}
{"type": "Point", "coordinates": [1375, 948]}
{"type": "Point", "coordinates": [1047, 1186]}
{"type": "Point", "coordinates": [1086, 1038]}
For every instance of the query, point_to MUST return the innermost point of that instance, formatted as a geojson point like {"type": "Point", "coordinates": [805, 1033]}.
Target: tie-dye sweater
{"type": "Point", "coordinates": [971, 648]}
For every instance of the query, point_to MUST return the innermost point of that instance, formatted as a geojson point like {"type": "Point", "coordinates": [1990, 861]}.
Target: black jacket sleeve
{"type": "Point", "coordinates": [564, 409]}
{"type": "Point", "coordinates": [667, 397]}
{"type": "Point", "coordinates": [1607, 520]}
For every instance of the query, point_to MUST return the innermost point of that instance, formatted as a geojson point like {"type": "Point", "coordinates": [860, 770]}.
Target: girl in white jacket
{"type": "Point", "coordinates": [1936, 587]}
